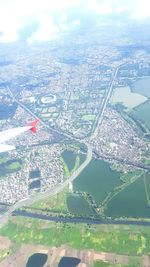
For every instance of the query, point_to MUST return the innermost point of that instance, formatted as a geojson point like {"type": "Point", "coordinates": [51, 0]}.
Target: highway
{"type": "Point", "coordinates": [108, 95]}
{"type": "Point", "coordinates": [125, 161]}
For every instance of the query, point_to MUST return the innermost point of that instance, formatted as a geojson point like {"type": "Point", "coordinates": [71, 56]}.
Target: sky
{"type": "Point", "coordinates": [16, 14]}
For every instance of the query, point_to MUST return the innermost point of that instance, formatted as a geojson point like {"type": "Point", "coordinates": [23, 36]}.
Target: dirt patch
{"type": "Point", "coordinates": [5, 243]}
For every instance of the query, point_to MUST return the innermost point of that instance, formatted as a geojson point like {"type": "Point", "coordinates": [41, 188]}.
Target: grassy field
{"type": "Point", "coordinates": [3, 254]}
{"type": "Point", "coordinates": [54, 203]}
{"type": "Point", "coordinates": [89, 117]}
{"type": "Point", "coordinates": [14, 166]}
{"type": "Point", "coordinates": [105, 264]}
{"type": "Point", "coordinates": [129, 240]}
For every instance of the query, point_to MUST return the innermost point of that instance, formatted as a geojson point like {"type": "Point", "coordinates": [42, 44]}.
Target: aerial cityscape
{"type": "Point", "coordinates": [76, 192]}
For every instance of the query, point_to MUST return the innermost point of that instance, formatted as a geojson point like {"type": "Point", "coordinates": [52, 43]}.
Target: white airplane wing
{"type": "Point", "coordinates": [11, 133]}
{"type": "Point", "coordinates": [4, 148]}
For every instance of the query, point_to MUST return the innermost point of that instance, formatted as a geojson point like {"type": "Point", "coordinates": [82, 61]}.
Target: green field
{"type": "Point", "coordinates": [88, 117]}
{"type": "Point", "coordinates": [134, 263]}
{"type": "Point", "coordinates": [78, 205]}
{"type": "Point", "coordinates": [131, 202]}
{"type": "Point", "coordinates": [97, 179]}
{"type": "Point", "coordinates": [129, 240]}
{"type": "Point", "coordinates": [14, 166]}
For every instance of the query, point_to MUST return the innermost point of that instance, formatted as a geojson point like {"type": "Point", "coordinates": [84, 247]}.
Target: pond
{"type": "Point", "coordinates": [98, 179]}
{"type": "Point", "coordinates": [69, 158]}
{"type": "Point", "coordinates": [37, 260]}
{"type": "Point", "coordinates": [69, 262]}
{"type": "Point", "coordinates": [35, 184]}
{"type": "Point", "coordinates": [132, 201]}
{"type": "Point", "coordinates": [78, 205]}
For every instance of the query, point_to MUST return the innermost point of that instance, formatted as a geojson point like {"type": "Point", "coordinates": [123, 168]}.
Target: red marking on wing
{"type": "Point", "coordinates": [33, 125]}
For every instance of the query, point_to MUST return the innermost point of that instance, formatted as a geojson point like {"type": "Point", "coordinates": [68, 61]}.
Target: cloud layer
{"type": "Point", "coordinates": [15, 14]}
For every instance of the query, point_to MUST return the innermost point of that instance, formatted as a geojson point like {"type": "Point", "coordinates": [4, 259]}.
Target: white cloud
{"type": "Point", "coordinates": [142, 9]}
{"type": "Point", "coordinates": [46, 31]}
{"type": "Point", "coordinates": [14, 14]}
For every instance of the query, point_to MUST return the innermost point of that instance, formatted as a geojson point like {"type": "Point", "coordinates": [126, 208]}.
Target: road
{"type": "Point", "coordinates": [108, 95]}
{"type": "Point", "coordinates": [125, 161]}
{"type": "Point", "coordinates": [50, 192]}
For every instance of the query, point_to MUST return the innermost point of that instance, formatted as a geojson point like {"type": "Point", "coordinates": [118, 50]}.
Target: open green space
{"type": "Point", "coordinates": [3, 254]}
{"type": "Point", "coordinates": [78, 205]}
{"type": "Point", "coordinates": [14, 166]}
{"type": "Point", "coordinates": [132, 263]}
{"type": "Point", "coordinates": [98, 179]}
{"type": "Point", "coordinates": [129, 240]}
{"type": "Point", "coordinates": [55, 203]}
{"type": "Point", "coordinates": [141, 113]}
{"type": "Point", "coordinates": [88, 117]}
{"type": "Point", "coordinates": [131, 202]}
{"type": "Point", "coordinates": [142, 86]}
{"type": "Point", "coordinates": [9, 166]}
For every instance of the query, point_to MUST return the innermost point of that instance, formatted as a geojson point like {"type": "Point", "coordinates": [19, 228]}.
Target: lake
{"type": "Point", "coordinates": [37, 260]}
{"type": "Point", "coordinates": [127, 98]}
{"type": "Point", "coordinates": [142, 86]}
{"type": "Point", "coordinates": [131, 202]}
{"type": "Point", "coordinates": [98, 179]}
{"type": "Point", "coordinates": [69, 262]}
{"type": "Point", "coordinates": [69, 158]}
{"type": "Point", "coordinates": [78, 205]}
{"type": "Point", "coordinates": [142, 113]}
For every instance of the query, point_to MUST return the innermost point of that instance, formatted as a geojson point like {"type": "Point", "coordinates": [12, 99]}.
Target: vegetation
{"type": "Point", "coordinates": [53, 203]}
{"type": "Point", "coordinates": [89, 117]}
{"type": "Point", "coordinates": [106, 264]}
{"type": "Point", "coordinates": [3, 254]}
{"type": "Point", "coordinates": [129, 240]}
{"type": "Point", "coordinates": [14, 165]}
